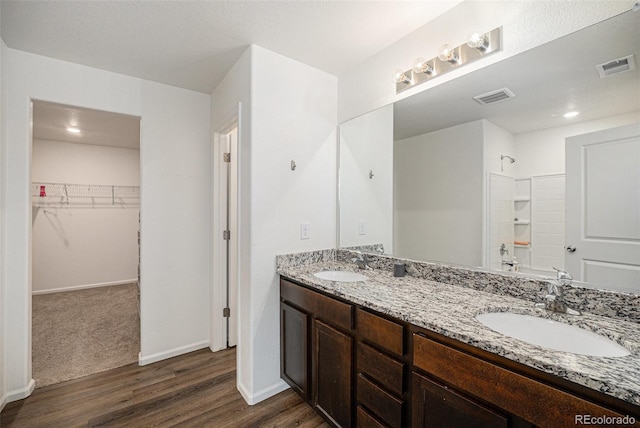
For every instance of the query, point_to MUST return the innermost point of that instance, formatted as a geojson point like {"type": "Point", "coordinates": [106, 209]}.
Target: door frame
{"type": "Point", "coordinates": [218, 335]}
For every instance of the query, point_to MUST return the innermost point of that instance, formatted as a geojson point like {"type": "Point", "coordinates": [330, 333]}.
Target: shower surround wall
{"type": "Point", "coordinates": [83, 246]}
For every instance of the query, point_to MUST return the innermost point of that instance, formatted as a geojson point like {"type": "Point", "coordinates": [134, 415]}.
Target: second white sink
{"type": "Point", "coordinates": [340, 275]}
{"type": "Point", "coordinates": [552, 334]}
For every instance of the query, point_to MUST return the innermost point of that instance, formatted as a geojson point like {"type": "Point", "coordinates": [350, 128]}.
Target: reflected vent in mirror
{"type": "Point", "coordinates": [494, 96]}
{"type": "Point", "coordinates": [616, 66]}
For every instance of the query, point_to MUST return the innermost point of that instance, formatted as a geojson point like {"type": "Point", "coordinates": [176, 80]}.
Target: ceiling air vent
{"type": "Point", "coordinates": [616, 66]}
{"type": "Point", "coordinates": [494, 96]}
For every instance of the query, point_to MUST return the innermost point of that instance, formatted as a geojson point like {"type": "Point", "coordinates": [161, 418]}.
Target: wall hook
{"type": "Point", "coordinates": [293, 165]}
{"type": "Point", "coordinates": [370, 174]}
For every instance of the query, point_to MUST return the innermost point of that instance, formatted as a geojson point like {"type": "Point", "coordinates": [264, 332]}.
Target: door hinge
{"type": "Point", "coordinates": [226, 235]}
{"type": "Point", "coordinates": [226, 157]}
{"type": "Point", "coordinates": [226, 312]}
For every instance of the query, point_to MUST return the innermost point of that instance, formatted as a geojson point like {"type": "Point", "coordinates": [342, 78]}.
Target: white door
{"type": "Point", "coordinates": [603, 207]}
{"type": "Point", "coordinates": [225, 223]}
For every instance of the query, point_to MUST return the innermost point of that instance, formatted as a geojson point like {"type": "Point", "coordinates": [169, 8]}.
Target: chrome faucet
{"type": "Point", "coordinates": [554, 300]}
{"type": "Point", "coordinates": [361, 261]}
{"type": "Point", "coordinates": [503, 250]}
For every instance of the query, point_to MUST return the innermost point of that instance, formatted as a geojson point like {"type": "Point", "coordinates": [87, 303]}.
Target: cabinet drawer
{"type": "Point", "coordinates": [384, 405]}
{"type": "Point", "coordinates": [323, 307]}
{"type": "Point", "coordinates": [522, 396]}
{"type": "Point", "coordinates": [380, 331]}
{"type": "Point", "coordinates": [364, 419]}
{"type": "Point", "coordinates": [380, 367]}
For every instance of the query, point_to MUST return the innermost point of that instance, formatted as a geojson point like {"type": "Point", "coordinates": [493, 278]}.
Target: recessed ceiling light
{"type": "Point", "coordinates": [73, 130]}
{"type": "Point", "coordinates": [571, 114]}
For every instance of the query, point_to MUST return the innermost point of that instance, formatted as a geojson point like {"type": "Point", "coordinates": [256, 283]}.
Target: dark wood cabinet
{"type": "Point", "coordinates": [467, 384]}
{"type": "Point", "coordinates": [436, 406]}
{"type": "Point", "coordinates": [317, 353]}
{"type": "Point", "coordinates": [380, 368]}
{"type": "Point", "coordinates": [332, 356]}
{"type": "Point", "coordinates": [382, 372]}
{"type": "Point", "coordinates": [294, 362]}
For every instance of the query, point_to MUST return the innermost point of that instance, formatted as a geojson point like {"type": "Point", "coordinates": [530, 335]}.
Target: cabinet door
{"type": "Point", "coordinates": [332, 360]}
{"type": "Point", "coordinates": [294, 349]}
{"type": "Point", "coordinates": [437, 406]}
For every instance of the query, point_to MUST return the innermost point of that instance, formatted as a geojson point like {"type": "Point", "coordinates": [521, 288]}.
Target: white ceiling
{"type": "Point", "coordinates": [50, 122]}
{"type": "Point", "coordinates": [192, 44]}
{"type": "Point", "coordinates": [547, 81]}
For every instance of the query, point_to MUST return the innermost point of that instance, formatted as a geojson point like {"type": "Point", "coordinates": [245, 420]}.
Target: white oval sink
{"type": "Point", "coordinates": [340, 275]}
{"type": "Point", "coordinates": [552, 334]}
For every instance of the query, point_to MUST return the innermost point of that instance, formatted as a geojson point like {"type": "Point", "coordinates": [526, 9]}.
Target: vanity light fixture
{"type": "Point", "coordinates": [421, 65]}
{"type": "Point", "coordinates": [449, 54]}
{"type": "Point", "coordinates": [477, 46]}
{"type": "Point", "coordinates": [478, 41]}
{"type": "Point", "coordinates": [399, 77]}
{"type": "Point", "coordinates": [73, 130]}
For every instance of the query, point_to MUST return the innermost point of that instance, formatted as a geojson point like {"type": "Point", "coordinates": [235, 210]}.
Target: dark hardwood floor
{"type": "Point", "coordinates": [193, 390]}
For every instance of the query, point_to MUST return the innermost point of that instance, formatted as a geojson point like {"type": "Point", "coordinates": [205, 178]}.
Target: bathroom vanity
{"type": "Point", "coordinates": [407, 351]}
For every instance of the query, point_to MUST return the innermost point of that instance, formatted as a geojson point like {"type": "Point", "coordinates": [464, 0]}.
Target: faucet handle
{"type": "Point", "coordinates": [564, 278]}
{"type": "Point", "coordinates": [553, 290]}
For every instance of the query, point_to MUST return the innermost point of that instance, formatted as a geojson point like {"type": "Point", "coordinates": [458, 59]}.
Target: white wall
{"type": "Point", "coordinates": [3, 389]}
{"type": "Point", "coordinates": [83, 246]}
{"type": "Point", "coordinates": [542, 152]}
{"type": "Point", "coordinates": [174, 203]}
{"type": "Point", "coordinates": [290, 112]}
{"type": "Point", "coordinates": [497, 142]}
{"type": "Point", "coordinates": [294, 116]}
{"type": "Point", "coordinates": [525, 24]}
{"type": "Point", "coordinates": [366, 144]}
{"type": "Point", "coordinates": [175, 220]}
{"type": "Point", "coordinates": [439, 197]}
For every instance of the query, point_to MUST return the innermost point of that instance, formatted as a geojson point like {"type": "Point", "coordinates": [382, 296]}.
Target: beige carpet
{"type": "Point", "coordinates": [77, 333]}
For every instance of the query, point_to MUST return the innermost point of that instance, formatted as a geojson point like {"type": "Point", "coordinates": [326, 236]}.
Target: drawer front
{"type": "Point", "coordinates": [323, 307]}
{"type": "Point", "coordinates": [380, 367]}
{"type": "Point", "coordinates": [364, 419]}
{"type": "Point", "coordinates": [387, 407]}
{"type": "Point", "coordinates": [381, 332]}
{"type": "Point", "coordinates": [529, 399]}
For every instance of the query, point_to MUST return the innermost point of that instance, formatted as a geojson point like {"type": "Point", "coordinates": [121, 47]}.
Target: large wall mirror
{"type": "Point", "coordinates": [548, 177]}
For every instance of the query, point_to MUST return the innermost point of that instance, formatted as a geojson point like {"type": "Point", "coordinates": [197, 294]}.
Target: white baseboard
{"type": "Point", "coordinates": [19, 394]}
{"type": "Point", "coordinates": [263, 394]}
{"type": "Point", "coordinates": [3, 403]}
{"type": "Point", "coordinates": [84, 287]}
{"type": "Point", "coordinates": [159, 356]}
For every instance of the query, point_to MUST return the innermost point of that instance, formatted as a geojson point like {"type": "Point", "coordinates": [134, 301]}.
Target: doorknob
{"type": "Point", "coordinates": [570, 249]}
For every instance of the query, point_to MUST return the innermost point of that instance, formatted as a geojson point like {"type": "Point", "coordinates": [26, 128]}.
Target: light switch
{"type": "Point", "coordinates": [362, 227]}
{"type": "Point", "coordinates": [305, 230]}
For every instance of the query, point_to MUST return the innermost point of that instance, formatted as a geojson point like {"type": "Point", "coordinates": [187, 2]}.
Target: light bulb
{"type": "Point", "coordinates": [448, 54]}
{"type": "Point", "coordinates": [478, 41]}
{"type": "Point", "coordinates": [73, 130]}
{"type": "Point", "coordinates": [571, 114]}
{"type": "Point", "coordinates": [400, 77]}
{"type": "Point", "coordinates": [420, 65]}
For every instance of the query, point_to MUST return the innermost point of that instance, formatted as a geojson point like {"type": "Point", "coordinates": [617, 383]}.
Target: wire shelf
{"type": "Point", "coordinates": [56, 194]}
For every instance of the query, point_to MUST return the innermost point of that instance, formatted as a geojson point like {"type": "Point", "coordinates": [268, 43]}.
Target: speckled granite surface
{"type": "Point", "coordinates": [618, 305]}
{"type": "Point", "coordinates": [449, 309]}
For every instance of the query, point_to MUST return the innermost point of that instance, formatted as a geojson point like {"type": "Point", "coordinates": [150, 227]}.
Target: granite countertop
{"type": "Point", "coordinates": [451, 309]}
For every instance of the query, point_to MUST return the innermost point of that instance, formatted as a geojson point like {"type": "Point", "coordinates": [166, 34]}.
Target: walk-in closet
{"type": "Point", "coordinates": [85, 241]}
